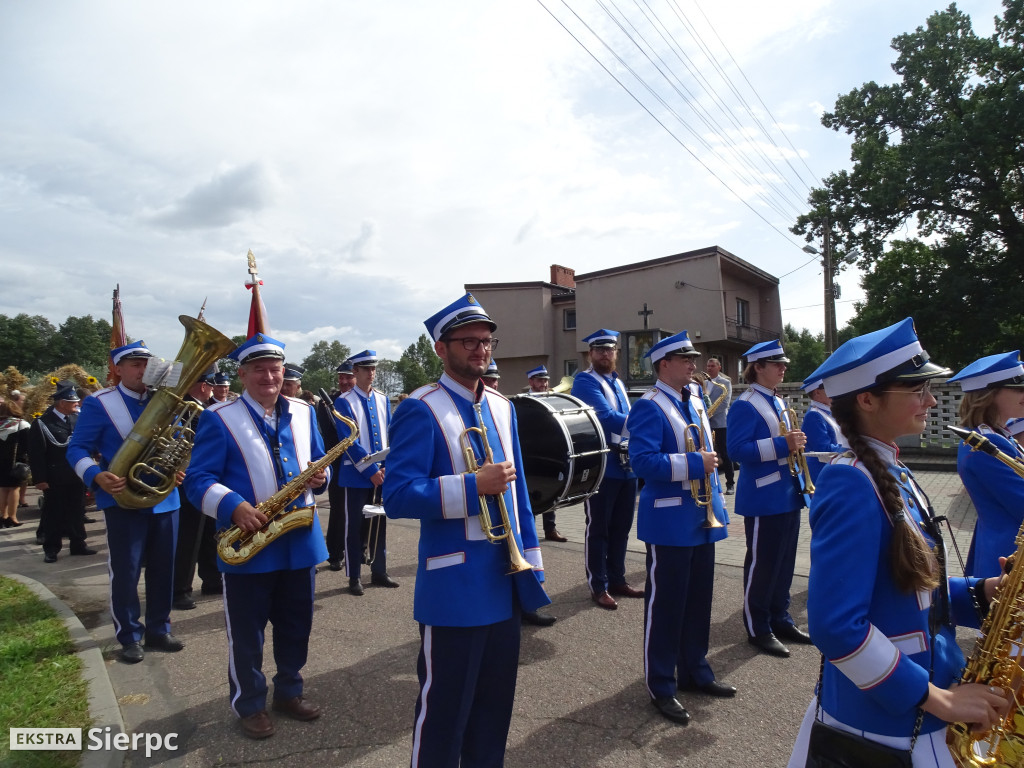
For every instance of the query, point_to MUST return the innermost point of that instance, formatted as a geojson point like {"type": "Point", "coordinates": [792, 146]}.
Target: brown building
{"type": "Point", "coordinates": [726, 304]}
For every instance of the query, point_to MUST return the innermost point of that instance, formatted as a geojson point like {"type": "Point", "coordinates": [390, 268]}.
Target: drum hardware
{"type": "Point", "coordinates": [563, 447]}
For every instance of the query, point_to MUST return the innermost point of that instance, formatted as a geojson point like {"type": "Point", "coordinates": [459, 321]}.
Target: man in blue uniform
{"type": "Point", "coordinates": [768, 497]}
{"type": "Point", "coordinates": [222, 387]}
{"type": "Point", "coordinates": [134, 536]}
{"type": "Point", "coordinates": [245, 451]}
{"type": "Point", "coordinates": [467, 605]}
{"type": "Point", "coordinates": [292, 386]}
{"type": "Point", "coordinates": [360, 474]}
{"type": "Point", "coordinates": [680, 532]}
{"type": "Point", "coordinates": [492, 376]}
{"type": "Point", "coordinates": [609, 511]}
{"type": "Point", "coordinates": [63, 512]}
{"type": "Point", "coordinates": [539, 379]}
{"type": "Point", "coordinates": [822, 431]}
{"type": "Point", "coordinates": [337, 517]}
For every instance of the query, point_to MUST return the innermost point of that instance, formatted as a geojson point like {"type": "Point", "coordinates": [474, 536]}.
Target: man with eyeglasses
{"type": "Point", "coordinates": [610, 511]}
{"type": "Point", "coordinates": [761, 438]}
{"type": "Point", "coordinates": [467, 607]}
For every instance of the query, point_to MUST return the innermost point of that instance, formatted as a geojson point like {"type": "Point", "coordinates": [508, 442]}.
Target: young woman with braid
{"type": "Point", "coordinates": [880, 606]}
{"type": "Point", "coordinates": [993, 390]}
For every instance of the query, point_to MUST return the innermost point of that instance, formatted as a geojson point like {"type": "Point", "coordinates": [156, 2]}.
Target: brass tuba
{"type": "Point", "coordinates": [701, 499]}
{"type": "Point", "coordinates": [235, 546]}
{"type": "Point", "coordinates": [503, 531]}
{"type": "Point", "coordinates": [160, 443]}
{"type": "Point", "coordinates": [997, 658]}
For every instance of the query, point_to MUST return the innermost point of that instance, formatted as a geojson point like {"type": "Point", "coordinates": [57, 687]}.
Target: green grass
{"type": "Point", "coordinates": [41, 683]}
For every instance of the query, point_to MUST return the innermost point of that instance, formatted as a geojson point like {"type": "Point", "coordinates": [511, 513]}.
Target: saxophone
{"type": "Point", "coordinates": [235, 546]}
{"type": "Point", "coordinates": [160, 443]}
{"type": "Point", "coordinates": [998, 655]}
{"type": "Point", "coordinates": [703, 380]}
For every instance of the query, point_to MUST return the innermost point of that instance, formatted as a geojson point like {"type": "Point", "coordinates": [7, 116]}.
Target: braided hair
{"type": "Point", "coordinates": [913, 565]}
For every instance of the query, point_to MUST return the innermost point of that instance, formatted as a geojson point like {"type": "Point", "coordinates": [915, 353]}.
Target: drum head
{"type": "Point", "coordinates": [563, 448]}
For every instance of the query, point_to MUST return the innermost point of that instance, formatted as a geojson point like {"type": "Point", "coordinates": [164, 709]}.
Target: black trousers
{"type": "Point", "coordinates": [63, 514]}
{"type": "Point", "coordinates": [724, 462]}
{"type": "Point", "coordinates": [197, 546]}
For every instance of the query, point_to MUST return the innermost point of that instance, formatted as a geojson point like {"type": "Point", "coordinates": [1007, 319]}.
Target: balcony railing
{"type": "Point", "coordinates": [750, 334]}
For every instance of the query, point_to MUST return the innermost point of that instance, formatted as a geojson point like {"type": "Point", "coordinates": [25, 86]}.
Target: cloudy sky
{"type": "Point", "coordinates": [378, 156]}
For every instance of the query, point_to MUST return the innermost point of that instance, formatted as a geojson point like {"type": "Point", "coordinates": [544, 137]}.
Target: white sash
{"type": "Point", "coordinates": [117, 410]}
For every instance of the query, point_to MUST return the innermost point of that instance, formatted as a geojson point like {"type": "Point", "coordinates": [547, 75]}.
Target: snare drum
{"type": "Point", "coordinates": [563, 449]}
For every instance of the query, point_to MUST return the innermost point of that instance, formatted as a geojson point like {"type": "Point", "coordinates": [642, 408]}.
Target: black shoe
{"type": "Point", "coordinates": [334, 565]}
{"type": "Point", "coordinates": [89, 520]}
{"type": "Point", "coordinates": [132, 653]}
{"type": "Point", "coordinates": [183, 603]}
{"type": "Point", "coordinates": [714, 688]}
{"type": "Point", "coordinates": [792, 633]}
{"type": "Point", "coordinates": [672, 709]}
{"type": "Point", "coordinates": [50, 557]}
{"type": "Point", "coordinates": [212, 589]}
{"type": "Point", "coordinates": [383, 580]}
{"type": "Point", "coordinates": [538, 619]}
{"type": "Point", "coordinates": [168, 643]}
{"type": "Point", "coordinates": [770, 644]}
{"type": "Point", "coordinates": [355, 586]}
{"type": "Point", "coordinates": [83, 551]}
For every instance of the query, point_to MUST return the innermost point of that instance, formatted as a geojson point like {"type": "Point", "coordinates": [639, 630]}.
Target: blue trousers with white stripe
{"type": "Point", "coordinates": [285, 599]}
{"type": "Point", "coordinates": [768, 570]}
{"type": "Point", "coordinates": [677, 617]}
{"type": "Point", "coordinates": [135, 537]}
{"type": "Point", "coordinates": [467, 688]}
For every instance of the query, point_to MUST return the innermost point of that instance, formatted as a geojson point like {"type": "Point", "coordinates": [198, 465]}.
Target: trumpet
{"type": "Point", "coordinates": [701, 499]}
{"type": "Point", "coordinates": [502, 531]}
{"type": "Point", "coordinates": [797, 460]}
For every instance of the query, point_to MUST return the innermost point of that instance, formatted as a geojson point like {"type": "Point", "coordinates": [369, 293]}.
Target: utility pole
{"type": "Point", "coordinates": [830, 293]}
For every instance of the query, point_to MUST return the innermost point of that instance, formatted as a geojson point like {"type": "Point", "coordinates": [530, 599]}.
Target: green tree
{"type": "Point", "coordinates": [804, 350]}
{"type": "Point", "coordinates": [320, 365]}
{"type": "Point", "coordinates": [27, 342]}
{"type": "Point", "coordinates": [388, 379]}
{"type": "Point", "coordinates": [940, 147]}
{"type": "Point", "coordinates": [419, 364]}
{"type": "Point", "coordinates": [83, 340]}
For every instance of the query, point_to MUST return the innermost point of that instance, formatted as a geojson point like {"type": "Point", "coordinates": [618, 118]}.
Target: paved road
{"type": "Point", "coordinates": [580, 699]}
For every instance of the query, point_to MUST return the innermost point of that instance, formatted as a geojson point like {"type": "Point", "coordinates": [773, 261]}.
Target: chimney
{"type": "Point", "coordinates": [563, 276]}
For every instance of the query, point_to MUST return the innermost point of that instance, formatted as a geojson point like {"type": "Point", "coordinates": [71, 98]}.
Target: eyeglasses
{"type": "Point", "coordinates": [922, 394]}
{"type": "Point", "coordinates": [601, 351]}
{"type": "Point", "coordinates": [470, 343]}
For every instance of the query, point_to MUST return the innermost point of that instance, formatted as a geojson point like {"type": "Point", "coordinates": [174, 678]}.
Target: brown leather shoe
{"type": "Point", "coordinates": [604, 600]}
{"type": "Point", "coordinates": [552, 534]}
{"type": "Point", "coordinates": [258, 726]}
{"type": "Point", "coordinates": [624, 590]}
{"type": "Point", "coordinates": [297, 708]}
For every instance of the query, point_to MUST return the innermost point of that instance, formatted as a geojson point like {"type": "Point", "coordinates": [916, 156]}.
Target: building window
{"type": "Point", "coordinates": [568, 320]}
{"type": "Point", "coordinates": [742, 312]}
{"type": "Point", "coordinates": [571, 366]}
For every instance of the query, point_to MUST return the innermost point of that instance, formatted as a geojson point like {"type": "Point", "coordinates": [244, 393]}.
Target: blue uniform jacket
{"type": "Point", "coordinates": [765, 486]}
{"type": "Point", "coordinates": [372, 412]}
{"type": "Point", "coordinates": [106, 419]}
{"type": "Point", "coordinates": [823, 434]}
{"type": "Point", "coordinates": [875, 636]}
{"type": "Point", "coordinates": [668, 514]}
{"type": "Point", "coordinates": [232, 462]}
{"type": "Point", "coordinates": [998, 495]}
{"type": "Point", "coordinates": [607, 396]}
{"type": "Point", "coordinates": [460, 580]}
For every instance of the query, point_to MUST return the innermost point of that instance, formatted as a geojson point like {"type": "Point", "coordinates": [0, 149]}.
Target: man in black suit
{"type": "Point", "coordinates": [63, 492]}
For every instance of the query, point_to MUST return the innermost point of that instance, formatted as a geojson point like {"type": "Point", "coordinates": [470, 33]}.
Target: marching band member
{"type": "Point", "coordinates": [768, 499]}
{"type": "Point", "coordinates": [993, 393]}
{"type": "Point", "coordinates": [718, 389]}
{"type": "Point", "coordinates": [880, 607]}
{"type": "Point", "coordinates": [292, 386]}
{"type": "Point", "coordinates": [134, 536]}
{"type": "Point", "coordinates": [610, 510]}
{"type": "Point", "coordinates": [336, 521]}
{"type": "Point", "coordinates": [822, 431]}
{"type": "Point", "coordinates": [492, 376]}
{"type": "Point", "coordinates": [245, 451]}
{"type": "Point", "coordinates": [680, 547]}
{"type": "Point", "coordinates": [539, 379]}
{"type": "Point", "coordinates": [222, 387]}
{"type": "Point", "coordinates": [467, 607]}
{"type": "Point", "coordinates": [358, 477]}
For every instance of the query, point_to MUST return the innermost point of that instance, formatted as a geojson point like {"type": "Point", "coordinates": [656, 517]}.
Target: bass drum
{"type": "Point", "coordinates": [563, 449]}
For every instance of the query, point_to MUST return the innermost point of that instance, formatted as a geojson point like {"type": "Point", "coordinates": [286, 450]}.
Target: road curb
{"type": "Point", "coordinates": [103, 706]}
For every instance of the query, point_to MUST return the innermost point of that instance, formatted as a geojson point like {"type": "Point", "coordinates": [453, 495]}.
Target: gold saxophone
{"type": "Point", "coordinates": [997, 658]}
{"type": "Point", "coordinates": [235, 546]}
{"type": "Point", "coordinates": [703, 379]}
{"type": "Point", "coordinates": [160, 443]}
